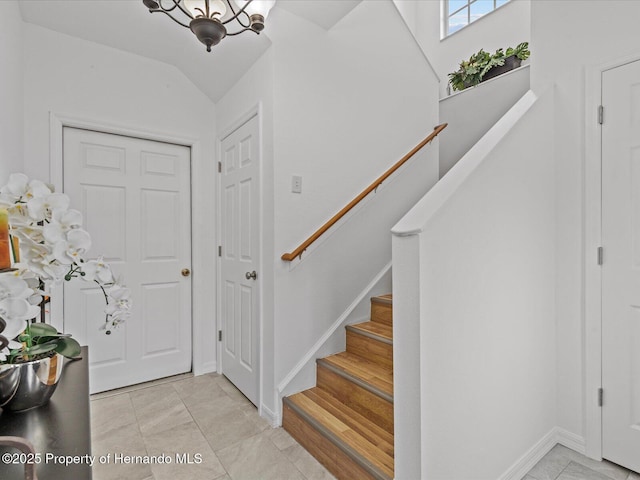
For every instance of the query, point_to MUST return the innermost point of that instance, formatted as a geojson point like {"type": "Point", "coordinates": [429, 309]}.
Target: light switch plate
{"type": "Point", "coordinates": [296, 184]}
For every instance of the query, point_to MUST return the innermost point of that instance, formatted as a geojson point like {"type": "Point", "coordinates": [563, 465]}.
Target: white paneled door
{"type": "Point", "coordinates": [240, 168]}
{"type": "Point", "coordinates": [621, 266]}
{"type": "Point", "coordinates": [135, 198]}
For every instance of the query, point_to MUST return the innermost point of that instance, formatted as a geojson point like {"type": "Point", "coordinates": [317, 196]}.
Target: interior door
{"type": "Point", "coordinates": [240, 169]}
{"type": "Point", "coordinates": [621, 266]}
{"type": "Point", "coordinates": [135, 198]}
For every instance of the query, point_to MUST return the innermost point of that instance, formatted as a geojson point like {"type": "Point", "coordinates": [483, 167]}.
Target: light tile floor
{"type": "Point", "coordinates": [562, 463]}
{"type": "Point", "coordinates": [205, 417]}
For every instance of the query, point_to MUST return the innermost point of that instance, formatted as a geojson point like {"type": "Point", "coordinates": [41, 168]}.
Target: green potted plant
{"type": "Point", "coordinates": [482, 66]}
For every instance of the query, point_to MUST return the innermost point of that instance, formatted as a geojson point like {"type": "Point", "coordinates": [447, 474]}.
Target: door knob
{"type": "Point", "coordinates": [186, 272]}
{"type": "Point", "coordinates": [250, 275]}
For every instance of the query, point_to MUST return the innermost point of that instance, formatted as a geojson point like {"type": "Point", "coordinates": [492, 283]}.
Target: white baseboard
{"type": "Point", "coordinates": [533, 456]}
{"type": "Point", "coordinates": [557, 435]}
{"type": "Point", "coordinates": [310, 355]}
{"type": "Point", "coordinates": [571, 440]}
{"type": "Point", "coordinates": [208, 367]}
{"type": "Point", "coordinates": [271, 417]}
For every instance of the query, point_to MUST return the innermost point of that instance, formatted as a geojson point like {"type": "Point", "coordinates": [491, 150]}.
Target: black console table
{"type": "Point", "coordinates": [60, 428]}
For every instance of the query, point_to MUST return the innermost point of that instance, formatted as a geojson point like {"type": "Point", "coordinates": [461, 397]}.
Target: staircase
{"type": "Point", "coordinates": [346, 421]}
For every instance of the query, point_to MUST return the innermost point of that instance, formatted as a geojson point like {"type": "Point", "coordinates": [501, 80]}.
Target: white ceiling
{"type": "Point", "coordinates": [127, 25]}
{"type": "Point", "coordinates": [324, 13]}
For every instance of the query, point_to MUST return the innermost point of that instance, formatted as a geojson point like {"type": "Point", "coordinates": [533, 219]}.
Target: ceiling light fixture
{"type": "Point", "coordinates": [208, 18]}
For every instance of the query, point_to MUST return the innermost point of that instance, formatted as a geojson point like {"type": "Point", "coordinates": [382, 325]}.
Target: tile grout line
{"type": "Point", "coordinates": [562, 471]}
{"type": "Point", "coordinates": [200, 430]}
{"type": "Point", "coordinates": [242, 408]}
{"type": "Point", "coordinates": [135, 414]}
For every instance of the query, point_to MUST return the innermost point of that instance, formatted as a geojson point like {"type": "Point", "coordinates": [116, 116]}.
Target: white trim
{"type": "Point", "coordinates": [519, 69]}
{"type": "Point", "coordinates": [444, 26]}
{"type": "Point", "coordinates": [592, 294]}
{"type": "Point", "coordinates": [200, 310]}
{"type": "Point", "coordinates": [255, 111]}
{"type": "Point", "coordinates": [570, 440]}
{"type": "Point", "coordinates": [271, 417]}
{"type": "Point", "coordinates": [206, 367]}
{"type": "Point", "coordinates": [414, 221]}
{"type": "Point", "coordinates": [337, 324]}
{"type": "Point", "coordinates": [525, 463]}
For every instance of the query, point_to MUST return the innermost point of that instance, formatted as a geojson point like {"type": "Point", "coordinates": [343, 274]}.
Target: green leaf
{"type": "Point", "coordinates": [39, 349]}
{"type": "Point", "coordinates": [42, 329]}
{"type": "Point", "coordinates": [68, 347]}
{"type": "Point", "coordinates": [472, 71]}
{"type": "Point", "coordinates": [50, 338]}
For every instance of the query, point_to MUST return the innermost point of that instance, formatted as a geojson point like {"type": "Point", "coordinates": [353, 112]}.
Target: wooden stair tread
{"type": "Point", "coordinates": [371, 373]}
{"type": "Point", "coordinates": [385, 299]}
{"type": "Point", "coordinates": [350, 417]}
{"type": "Point", "coordinates": [360, 438]}
{"type": "Point", "coordinates": [377, 329]}
{"type": "Point", "coordinates": [382, 309]}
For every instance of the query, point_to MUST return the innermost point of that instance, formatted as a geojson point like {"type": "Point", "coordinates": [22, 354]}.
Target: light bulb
{"type": "Point", "coordinates": [258, 7]}
{"type": "Point", "coordinates": [198, 8]}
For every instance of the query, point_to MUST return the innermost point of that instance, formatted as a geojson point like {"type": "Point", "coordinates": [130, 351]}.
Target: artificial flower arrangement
{"type": "Point", "coordinates": [52, 247]}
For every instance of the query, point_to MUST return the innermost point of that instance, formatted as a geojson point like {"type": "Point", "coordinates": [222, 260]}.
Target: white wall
{"type": "Point", "coordinates": [11, 90]}
{"type": "Point", "coordinates": [472, 112]}
{"type": "Point", "coordinates": [347, 106]}
{"type": "Point", "coordinates": [598, 31]}
{"type": "Point", "coordinates": [505, 27]}
{"type": "Point", "coordinates": [332, 115]}
{"type": "Point", "coordinates": [73, 77]}
{"type": "Point", "coordinates": [482, 244]}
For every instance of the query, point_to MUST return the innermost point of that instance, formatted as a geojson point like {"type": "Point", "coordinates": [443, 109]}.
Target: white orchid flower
{"type": "Point", "coordinates": [31, 279]}
{"type": "Point", "coordinates": [13, 287]}
{"type": "Point", "coordinates": [61, 223]}
{"type": "Point", "coordinates": [33, 282]}
{"type": "Point", "coordinates": [113, 323]}
{"type": "Point", "coordinates": [11, 332]}
{"type": "Point", "coordinates": [97, 270]}
{"type": "Point", "coordinates": [17, 186]}
{"type": "Point", "coordinates": [7, 201]}
{"type": "Point", "coordinates": [36, 256]}
{"type": "Point", "coordinates": [38, 189]}
{"type": "Point", "coordinates": [14, 309]}
{"type": "Point", "coordinates": [41, 262]}
{"type": "Point", "coordinates": [19, 216]}
{"type": "Point", "coordinates": [72, 250]}
{"type": "Point", "coordinates": [42, 207]}
{"type": "Point", "coordinates": [27, 232]}
{"type": "Point", "coordinates": [52, 248]}
{"type": "Point", "coordinates": [119, 303]}
{"type": "Point", "coordinates": [20, 189]}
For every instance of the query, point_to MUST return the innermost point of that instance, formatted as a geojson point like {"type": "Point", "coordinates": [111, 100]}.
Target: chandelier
{"type": "Point", "coordinates": [208, 19]}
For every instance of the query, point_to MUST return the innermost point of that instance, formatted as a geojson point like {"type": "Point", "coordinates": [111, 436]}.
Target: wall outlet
{"type": "Point", "coordinates": [296, 184]}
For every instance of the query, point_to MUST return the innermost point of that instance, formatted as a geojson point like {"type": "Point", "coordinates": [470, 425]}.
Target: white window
{"type": "Point", "coordinates": [460, 13]}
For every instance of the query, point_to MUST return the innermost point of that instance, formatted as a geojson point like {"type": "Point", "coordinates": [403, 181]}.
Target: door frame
{"type": "Point", "coordinates": [200, 304]}
{"type": "Point", "coordinates": [255, 111]}
{"type": "Point", "coordinates": [592, 234]}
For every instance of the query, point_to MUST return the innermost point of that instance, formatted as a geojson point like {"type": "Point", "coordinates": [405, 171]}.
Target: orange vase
{"type": "Point", "coordinates": [5, 253]}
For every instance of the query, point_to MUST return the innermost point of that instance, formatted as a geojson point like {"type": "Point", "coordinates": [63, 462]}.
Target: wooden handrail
{"type": "Point", "coordinates": [288, 257]}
